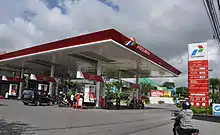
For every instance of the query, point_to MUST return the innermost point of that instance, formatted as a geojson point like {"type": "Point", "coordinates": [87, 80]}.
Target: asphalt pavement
{"type": "Point", "coordinates": [17, 119]}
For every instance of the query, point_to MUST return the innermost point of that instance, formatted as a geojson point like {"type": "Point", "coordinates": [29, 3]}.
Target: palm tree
{"type": "Point", "coordinates": [146, 88]}
{"type": "Point", "coordinates": [108, 88]}
{"type": "Point", "coordinates": [118, 85]}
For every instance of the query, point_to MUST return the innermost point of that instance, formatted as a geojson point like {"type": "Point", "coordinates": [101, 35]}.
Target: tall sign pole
{"type": "Point", "coordinates": [198, 84]}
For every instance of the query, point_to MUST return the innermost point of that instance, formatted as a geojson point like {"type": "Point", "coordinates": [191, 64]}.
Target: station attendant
{"type": "Point", "coordinates": [72, 97]}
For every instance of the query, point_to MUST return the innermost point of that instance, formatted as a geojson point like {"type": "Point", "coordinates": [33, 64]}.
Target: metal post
{"type": "Point", "coordinates": [21, 83]}
{"type": "Point", "coordinates": [98, 84]}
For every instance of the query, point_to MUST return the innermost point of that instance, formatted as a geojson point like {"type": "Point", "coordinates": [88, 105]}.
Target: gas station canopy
{"type": "Point", "coordinates": [115, 51]}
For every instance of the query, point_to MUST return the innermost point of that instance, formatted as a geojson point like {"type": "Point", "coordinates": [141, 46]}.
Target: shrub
{"type": "Point", "coordinates": [147, 100]}
{"type": "Point", "coordinates": [178, 105]}
{"type": "Point", "coordinates": [174, 98]}
{"type": "Point", "coordinates": [209, 110]}
{"type": "Point", "coordinates": [161, 102]}
{"type": "Point", "coordinates": [202, 110]}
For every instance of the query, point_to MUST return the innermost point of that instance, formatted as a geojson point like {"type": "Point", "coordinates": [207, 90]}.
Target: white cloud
{"type": "Point", "coordinates": [154, 24]}
{"type": "Point", "coordinates": [170, 25]}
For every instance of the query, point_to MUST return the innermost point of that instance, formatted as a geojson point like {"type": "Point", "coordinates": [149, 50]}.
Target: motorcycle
{"type": "Point", "coordinates": [109, 104]}
{"type": "Point", "coordinates": [176, 126]}
{"type": "Point", "coordinates": [135, 104]}
{"type": "Point", "coordinates": [62, 103]}
{"type": "Point", "coordinates": [140, 104]}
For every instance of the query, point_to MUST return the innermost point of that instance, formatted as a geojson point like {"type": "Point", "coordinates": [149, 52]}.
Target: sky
{"type": "Point", "coordinates": [165, 27]}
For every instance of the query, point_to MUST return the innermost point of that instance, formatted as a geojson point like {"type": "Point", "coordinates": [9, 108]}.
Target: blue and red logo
{"type": "Point", "coordinates": [199, 49]}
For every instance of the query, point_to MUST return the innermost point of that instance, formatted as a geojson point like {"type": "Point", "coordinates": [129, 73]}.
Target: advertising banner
{"type": "Point", "coordinates": [157, 93]}
{"type": "Point", "coordinates": [160, 93]}
{"type": "Point", "coordinates": [198, 74]}
{"type": "Point", "coordinates": [13, 88]}
{"type": "Point", "coordinates": [167, 93]}
{"type": "Point", "coordinates": [90, 93]}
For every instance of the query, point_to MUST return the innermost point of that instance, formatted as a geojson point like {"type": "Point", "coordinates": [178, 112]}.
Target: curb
{"type": "Point", "coordinates": [207, 118]}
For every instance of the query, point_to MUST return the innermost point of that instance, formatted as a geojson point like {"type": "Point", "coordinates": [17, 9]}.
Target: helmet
{"type": "Point", "coordinates": [186, 105]}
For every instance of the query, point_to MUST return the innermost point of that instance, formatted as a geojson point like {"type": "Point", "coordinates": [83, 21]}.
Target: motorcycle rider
{"type": "Point", "coordinates": [184, 120]}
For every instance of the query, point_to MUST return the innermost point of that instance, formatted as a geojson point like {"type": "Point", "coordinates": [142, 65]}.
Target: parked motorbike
{"type": "Point", "coordinates": [140, 104]}
{"type": "Point", "coordinates": [62, 103]}
{"type": "Point", "coordinates": [176, 125]}
{"type": "Point", "coordinates": [136, 104]}
{"type": "Point", "coordinates": [109, 104]}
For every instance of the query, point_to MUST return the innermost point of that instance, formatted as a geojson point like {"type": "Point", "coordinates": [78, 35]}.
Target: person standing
{"type": "Point", "coordinates": [72, 99]}
{"type": "Point", "coordinates": [118, 100]}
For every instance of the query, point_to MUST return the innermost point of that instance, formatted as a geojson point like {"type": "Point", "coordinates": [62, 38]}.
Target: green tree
{"type": "Point", "coordinates": [182, 91]}
{"type": "Point", "coordinates": [108, 88]}
{"type": "Point", "coordinates": [215, 97]}
{"type": "Point", "coordinates": [214, 83]}
{"type": "Point", "coordinates": [124, 95]}
{"type": "Point", "coordinates": [146, 88]}
{"type": "Point", "coordinates": [169, 85]}
{"type": "Point", "coordinates": [118, 85]}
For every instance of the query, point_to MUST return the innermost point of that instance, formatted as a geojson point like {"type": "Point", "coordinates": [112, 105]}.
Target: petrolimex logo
{"type": "Point", "coordinates": [198, 52]}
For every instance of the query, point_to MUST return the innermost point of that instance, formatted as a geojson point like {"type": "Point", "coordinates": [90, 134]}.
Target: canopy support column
{"type": "Point", "coordinates": [137, 79]}
{"type": "Point", "coordinates": [52, 70]}
{"type": "Point", "coordinates": [137, 82]}
{"type": "Point", "coordinates": [98, 84]}
{"type": "Point", "coordinates": [21, 83]}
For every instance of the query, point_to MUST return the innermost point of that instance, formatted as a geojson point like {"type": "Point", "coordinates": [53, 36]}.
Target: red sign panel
{"type": "Point", "coordinates": [198, 82]}
{"type": "Point", "coordinates": [15, 79]}
{"type": "Point", "coordinates": [92, 77]}
{"type": "Point", "coordinates": [11, 79]}
{"type": "Point", "coordinates": [45, 78]}
{"type": "Point", "coordinates": [136, 86]}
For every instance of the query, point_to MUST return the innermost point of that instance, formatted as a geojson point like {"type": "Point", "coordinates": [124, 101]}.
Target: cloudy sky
{"type": "Point", "coordinates": [163, 26]}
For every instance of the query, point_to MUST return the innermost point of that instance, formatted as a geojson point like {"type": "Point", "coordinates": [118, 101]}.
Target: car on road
{"type": "Point", "coordinates": [36, 97]}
